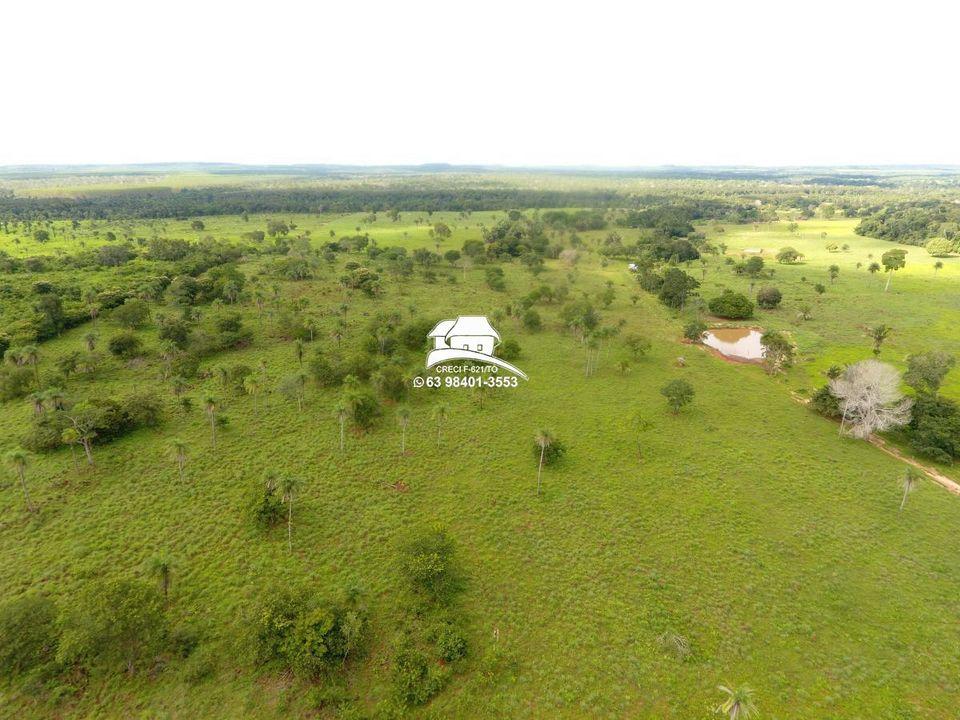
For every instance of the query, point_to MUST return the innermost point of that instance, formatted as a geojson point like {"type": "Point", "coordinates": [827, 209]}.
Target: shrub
{"type": "Point", "coordinates": [694, 330]}
{"type": "Point", "coordinates": [391, 383]}
{"type": "Point", "coordinates": [825, 403]}
{"type": "Point", "coordinates": [292, 629]}
{"type": "Point", "coordinates": [552, 453]}
{"type": "Point", "coordinates": [427, 563]}
{"type": "Point", "coordinates": [494, 278]}
{"type": "Point", "coordinates": [120, 621]}
{"type": "Point", "coordinates": [637, 345]}
{"type": "Point", "coordinates": [450, 641]}
{"type": "Point", "coordinates": [126, 345]}
{"type": "Point", "coordinates": [132, 314]}
{"type": "Point", "coordinates": [266, 506]}
{"type": "Point", "coordinates": [414, 680]}
{"type": "Point", "coordinates": [28, 634]}
{"type": "Point", "coordinates": [678, 393]}
{"type": "Point", "coordinates": [327, 371]}
{"type": "Point", "coordinates": [531, 320]}
{"type": "Point", "coordinates": [15, 382]}
{"type": "Point", "coordinates": [509, 350]}
{"type": "Point", "coordinates": [731, 305]}
{"type": "Point", "coordinates": [769, 298]}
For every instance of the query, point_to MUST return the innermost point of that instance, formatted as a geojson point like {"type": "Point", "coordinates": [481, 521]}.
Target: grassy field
{"type": "Point", "coordinates": [775, 547]}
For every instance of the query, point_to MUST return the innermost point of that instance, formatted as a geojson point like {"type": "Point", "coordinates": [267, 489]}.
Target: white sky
{"type": "Point", "coordinates": [517, 83]}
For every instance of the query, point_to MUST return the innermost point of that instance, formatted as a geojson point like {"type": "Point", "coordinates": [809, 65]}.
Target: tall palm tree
{"type": "Point", "coordinates": [252, 387]}
{"type": "Point", "coordinates": [162, 568]}
{"type": "Point", "coordinates": [738, 703]}
{"type": "Point", "coordinates": [210, 407]}
{"type": "Point", "coordinates": [340, 410]}
{"type": "Point", "coordinates": [179, 449]}
{"type": "Point", "coordinates": [298, 351]}
{"type": "Point", "coordinates": [18, 461]}
{"type": "Point", "coordinates": [440, 415]}
{"type": "Point", "coordinates": [403, 417]}
{"type": "Point", "coordinates": [911, 479]}
{"type": "Point", "coordinates": [36, 401]}
{"type": "Point", "coordinates": [288, 486]}
{"type": "Point", "coordinates": [879, 334]}
{"type": "Point", "coordinates": [543, 439]}
{"type": "Point", "coordinates": [32, 357]}
{"type": "Point", "coordinates": [91, 340]}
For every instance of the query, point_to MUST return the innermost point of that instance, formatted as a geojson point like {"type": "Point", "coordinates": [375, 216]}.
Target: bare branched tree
{"type": "Point", "coordinates": [870, 398]}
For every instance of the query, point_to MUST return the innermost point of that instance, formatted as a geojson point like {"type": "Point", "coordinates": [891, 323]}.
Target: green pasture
{"type": "Point", "coordinates": [745, 524]}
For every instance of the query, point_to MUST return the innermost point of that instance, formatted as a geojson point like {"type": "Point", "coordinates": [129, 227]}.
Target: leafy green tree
{"type": "Point", "coordinates": [677, 288]}
{"type": "Point", "coordinates": [834, 272]}
{"type": "Point", "coordinates": [732, 305]}
{"type": "Point", "coordinates": [678, 394]}
{"type": "Point", "coordinates": [893, 260]}
{"type": "Point", "coordinates": [17, 460]}
{"type": "Point", "coordinates": [769, 298]}
{"type": "Point", "coordinates": [118, 621]}
{"type": "Point", "coordinates": [777, 351]}
{"type": "Point", "coordinates": [926, 371]}
{"type": "Point", "coordinates": [789, 256]}
{"type": "Point", "coordinates": [293, 387]}
{"type": "Point", "coordinates": [694, 330]}
{"type": "Point", "coordinates": [28, 634]}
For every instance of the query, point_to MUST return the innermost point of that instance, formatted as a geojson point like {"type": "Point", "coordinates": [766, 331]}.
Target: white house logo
{"type": "Point", "coordinates": [469, 337]}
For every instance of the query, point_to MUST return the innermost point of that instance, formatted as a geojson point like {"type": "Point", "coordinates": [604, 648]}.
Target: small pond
{"type": "Point", "coordinates": [736, 343]}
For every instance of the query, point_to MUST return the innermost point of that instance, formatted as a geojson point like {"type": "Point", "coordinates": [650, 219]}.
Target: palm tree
{"type": "Point", "coordinates": [210, 407]}
{"type": "Point", "coordinates": [288, 486]}
{"type": "Point", "coordinates": [403, 417]}
{"type": "Point", "coordinates": [252, 387]}
{"type": "Point", "coordinates": [543, 439]}
{"type": "Point", "coordinates": [909, 483]}
{"type": "Point", "coordinates": [340, 410]}
{"type": "Point", "coordinates": [738, 703]}
{"type": "Point", "coordinates": [879, 334]}
{"type": "Point", "coordinates": [91, 340]}
{"type": "Point", "coordinates": [298, 351]}
{"type": "Point", "coordinates": [31, 356]}
{"type": "Point", "coordinates": [179, 449]}
{"type": "Point", "coordinates": [36, 400]}
{"type": "Point", "coordinates": [440, 415]}
{"type": "Point", "coordinates": [17, 460]}
{"type": "Point", "coordinates": [162, 568]}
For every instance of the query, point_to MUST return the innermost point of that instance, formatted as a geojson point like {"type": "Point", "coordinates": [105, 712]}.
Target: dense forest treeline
{"type": "Point", "coordinates": [192, 202]}
{"type": "Point", "coordinates": [913, 223]}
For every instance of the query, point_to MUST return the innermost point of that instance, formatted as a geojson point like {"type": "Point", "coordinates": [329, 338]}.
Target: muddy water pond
{"type": "Point", "coordinates": [736, 343]}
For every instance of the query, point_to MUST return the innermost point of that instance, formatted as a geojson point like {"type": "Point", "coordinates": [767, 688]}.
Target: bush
{"type": "Point", "coordinates": [731, 305]}
{"type": "Point", "coordinates": [364, 409]}
{"type": "Point", "coordinates": [15, 382]}
{"type": "Point", "coordinates": [694, 330]}
{"type": "Point", "coordinates": [132, 314]}
{"type": "Point", "coordinates": [769, 298]}
{"type": "Point", "coordinates": [391, 382]}
{"type": "Point", "coordinates": [825, 403]}
{"type": "Point", "coordinates": [292, 629]}
{"type": "Point", "coordinates": [414, 680]}
{"type": "Point", "coordinates": [114, 622]}
{"type": "Point", "coordinates": [28, 634]}
{"type": "Point", "coordinates": [531, 320]}
{"type": "Point", "coordinates": [450, 641]}
{"type": "Point", "coordinates": [327, 371]}
{"type": "Point", "coordinates": [266, 506]}
{"type": "Point", "coordinates": [552, 453]}
{"type": "Point", "coordinates": [126, 345]}
{"type": "Point", "coordinates": [509, 350]}
{"type": "Point", "coordinates": [494, 277]}
{"type": "Point", "coordinates": [427, 562]}
{"type": "Point", "coordinates": [934, 428]}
